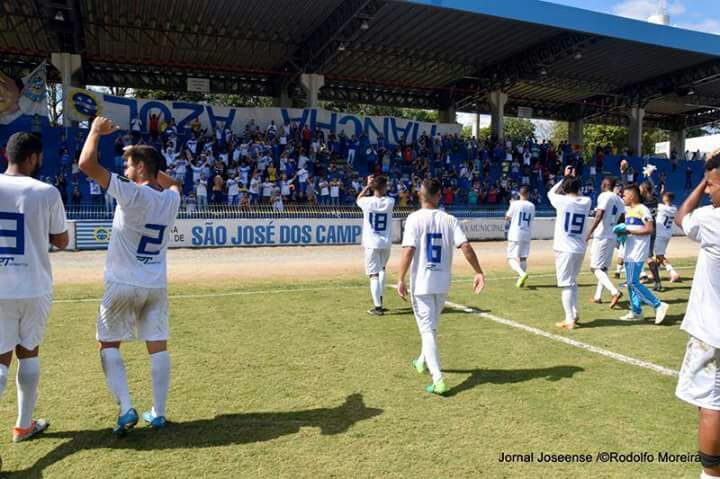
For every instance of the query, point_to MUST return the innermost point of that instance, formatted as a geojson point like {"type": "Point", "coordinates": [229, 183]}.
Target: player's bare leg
{"type": "Point", "coordinates": [28, 377]}
{"type": "Point", "coordinates": [160, 372]}
{"type": "Point", "coordinates": [116, 378]}
{"type": "Point", "coordinates": [674, 276]}
{"type": "Point", "coordinates": [709, 441]}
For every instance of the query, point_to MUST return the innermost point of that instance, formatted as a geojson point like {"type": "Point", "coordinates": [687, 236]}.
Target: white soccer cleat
{"type": "Point", "coordinates": [632, 317]}
{"type": "Point", "coordinates": [661, 312]}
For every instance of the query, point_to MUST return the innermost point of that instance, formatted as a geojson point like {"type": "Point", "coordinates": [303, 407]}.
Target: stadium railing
{"type": "Point", "coordinates": [98, 213]}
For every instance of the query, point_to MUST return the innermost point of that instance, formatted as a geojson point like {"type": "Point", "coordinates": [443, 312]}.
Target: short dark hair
{"type": "Point", "coordinates": [572, 184]}
{"type": "Point", "coordinates": [148, 156]}
{"type": "Point", "coordinates": [713, 163]}
{"type": "Point", "coordinates": [611, 181]}
{"type": "Point", "coordinates": [634, 188]}
{"type": "Point", "coordinates": [670, 195]}
{"type": "Point", "coordinates": [380, 182]}
{"type": "Point", "coordinates": [432, 186]}
{"type": "Point", "coordinates": [648, 185]}
{"type": "Point", "coordinates": [524, 190]}
{"type": "Point", "coordinates": [21, 146]}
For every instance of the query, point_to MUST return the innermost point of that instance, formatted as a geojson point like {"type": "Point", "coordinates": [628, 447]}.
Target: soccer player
{"type": "Point", "coordinates": [428, 243]}
{"type": "Point", "coordinates": [135, 304]}
{"type": "Point", "coordinates": [700, 372]}
{"type": "Point", "coordinates": [648, 198]}
{"type": "Point", "coordinates": [639, 227]}
{"type": "Point", "coordinates": [377, 236]}
{"type": "Point", "coordinates": [665, 217]}
{"type": "Point", "coordinates": [609, 209]}
{"type": "Point", "coordinates": [569, 242]}
{"type": "Point", "coordinates": [620, 191]}
{"type": "Point", "coordinates": [521, 215]}
{"type": "Point", "coordinates": [32, 217]}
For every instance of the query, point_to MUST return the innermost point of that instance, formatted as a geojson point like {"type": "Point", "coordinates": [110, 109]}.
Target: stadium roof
{"type": "Point", "coordinates": [564, 62]}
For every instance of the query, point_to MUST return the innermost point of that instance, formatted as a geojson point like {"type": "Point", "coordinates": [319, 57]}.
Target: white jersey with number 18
{"type": "Point", "coordinates": [434, 234]}
{"type": "Point", "coordinates": [143, 219]}
{"type": "Point", "coordinates": [572, 213]}
{"type": "Point", "coordinates": [377, 221]}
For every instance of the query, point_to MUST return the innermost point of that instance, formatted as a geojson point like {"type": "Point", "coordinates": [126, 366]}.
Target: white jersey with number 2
{"type": "Point", "coordinates": [434, 234]}
{"type": "Point", "coordinates": [570, 220]}
{"type": "Point", "coordinates": [138, 244]}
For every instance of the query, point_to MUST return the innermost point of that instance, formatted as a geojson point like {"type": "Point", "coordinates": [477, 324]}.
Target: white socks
{"type": "Point", "coordinates": [515, 265]}
{"type": "Point", "coordinates": [598, 292]}
{"type": "Point", "coordinates": [3, 378]}
{"type": "Point", "coordinates": [430, 354]}
{"type": "Point", "coordinates": [523, 265]}
{"type": "Point", "coordinates": [619, 269]}
{"type": "Point", "coordinates": [160, 371]}
{"type": "Point", "coordinates": [605, 282]}
{"type": "Point", "coordinates": [569, 301]}
{"type": "Point", "coordinates": [381, 277]}
{"type": "Point", "coordinates": [114, 368]}
{"type": "Point", "coordinates": [376, 290]}
{"type": "Point", "coordinates": [669, 268]}
{"type": "Point", "coordinates": [28, 377]}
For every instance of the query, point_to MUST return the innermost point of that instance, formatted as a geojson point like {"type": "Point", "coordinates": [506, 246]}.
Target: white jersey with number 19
{"type": "Point", "coordinates": [434, 234]}
{"type": "Point", "coordinates": [572, 213]}
{"type": "Point", "coordinates": [141, 227]}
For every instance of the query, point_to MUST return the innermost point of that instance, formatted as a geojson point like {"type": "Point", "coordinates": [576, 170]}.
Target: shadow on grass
{"type": "Point", "coordinates": [505, 376]}
{"type": "Point", "coordinates": [224, 430]}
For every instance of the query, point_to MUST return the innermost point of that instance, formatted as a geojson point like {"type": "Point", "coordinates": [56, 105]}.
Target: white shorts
{"type": "Point", "coordinates": [130, 312]}
{"type": "Point", "coordinates": [661, 245]}
{"type": "Point", "coordinates": [376, 260]}
{"type": "Point", "coordinates": [427, 309]}
{"type": "Point", "coordinates": [567, 268]}
{"type": "Point", "coordinates": [518, 249]}
{"type": "Point", "coordinates": [601, 253]}
{"type": "Point", "coordinates": [23, 321]}
{"type": "Point", "coordinates": [699, 381]}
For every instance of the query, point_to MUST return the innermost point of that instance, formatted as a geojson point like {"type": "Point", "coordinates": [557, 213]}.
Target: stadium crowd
{"type": "Point", "coordinates": [277, 165]}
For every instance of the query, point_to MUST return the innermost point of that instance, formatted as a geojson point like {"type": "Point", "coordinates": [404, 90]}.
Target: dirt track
{"type": "Point", "coordinates": [295, 263]}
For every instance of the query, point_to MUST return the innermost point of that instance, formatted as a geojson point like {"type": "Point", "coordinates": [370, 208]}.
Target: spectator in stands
{"type": "Point", "coordinates": [201, 192]}
{"type": "Point", "coordinates": [135, 129]}
{"type": "Point", "coordinates": [688, 178]}
{"type": "Point", "coordinates": [96, 195]}
{"type": "Point", "coordinates": [76, 196]}
{"type": "Point", "coordinates": [218, 190]}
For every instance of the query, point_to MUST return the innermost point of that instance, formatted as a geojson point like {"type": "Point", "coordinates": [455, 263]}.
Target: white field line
{"type": "Point", "coordinates": [301, 290]}
{"type": "Point", "coordinates": [563, 339]}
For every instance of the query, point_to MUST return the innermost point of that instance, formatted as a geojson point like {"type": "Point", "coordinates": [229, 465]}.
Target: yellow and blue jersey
{"type": "Point", "coordinates": [637, 215]}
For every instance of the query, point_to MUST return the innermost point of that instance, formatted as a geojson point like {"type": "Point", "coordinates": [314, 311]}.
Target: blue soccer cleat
{"type": "Point", "coordinates": [155, 422]}
{"type": "Point", "coordinates": [126, 422]}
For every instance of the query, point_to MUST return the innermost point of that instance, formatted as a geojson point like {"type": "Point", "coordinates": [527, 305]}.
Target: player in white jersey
{"type": "Point", "coordinates": [609, 210]}
{"type": "Point", "coordinates": [32, 218]}
{"type": "Point", "coordinates": [521, 215]}
{"type": "Point", "coordinates": [665, 220]}
{"type": "Point", "coordinates": [376, 236]}
{"type": "Point", "coordinates": [620, 267]}
{"type": "Point", "coordinates": [569, 242]}
{"type": "Point", "coordinates": [637, 232]}
{"type": "Point", "coordinates": [699, 381]}
{"type": "Point", "coordinates": [135, 304]}
{"type": "Point", "coordinates": [428, 242]}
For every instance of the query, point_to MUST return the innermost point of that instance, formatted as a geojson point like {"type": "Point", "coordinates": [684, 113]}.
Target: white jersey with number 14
{"type": "Point", "coordinates": [521, 214]}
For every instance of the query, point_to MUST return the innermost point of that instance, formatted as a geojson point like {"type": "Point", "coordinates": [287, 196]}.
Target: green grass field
{"type": "Point", "coordinates": [296, 380]}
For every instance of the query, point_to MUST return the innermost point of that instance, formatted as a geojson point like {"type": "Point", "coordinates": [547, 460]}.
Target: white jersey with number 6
{"type": "Point", "coordinates": [613, 207]}
{"type": "Point", "coordinates": [30, 211]}
{"type": "Point", "coordinates": [141, 227]}
{"type": "Point", "coordinates": [521, 214]}
{"type": "Point", "coordinates": [434, 234]}
{"type": "Point", "coordinates": [665, 218]}
{"type": "Point", "coordinates": [572, 213]}
{"type": "Point", "coordinates": [377, 221]}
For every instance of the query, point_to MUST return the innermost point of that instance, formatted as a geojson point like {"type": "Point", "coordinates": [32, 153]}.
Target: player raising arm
{"type": "Point", "coordinates": [700, 372]}
{"type": "Point", "coordinates": [32, 218]}
{"type": "Point", "coordinates": [135, 304]}
{"type": "Point", "coordinates": [430, 237]}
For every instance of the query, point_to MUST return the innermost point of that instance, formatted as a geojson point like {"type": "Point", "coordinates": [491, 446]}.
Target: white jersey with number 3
{"type": "Point", "coordinates": [521, 214]}
{"type": "Point", "coordinates": [377, 221]}
{"type": "Point", "coordinates": [434, 234]}
{"type": "Point", "coordinates": [30, 211]}
{"type": "Point", "coordinates": [665, 218]}
{"type": "Point", "coordinates": [140, 231]}
{"type": "Point", "coordinates": [572, 213]}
